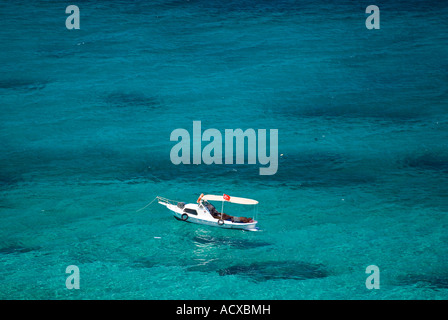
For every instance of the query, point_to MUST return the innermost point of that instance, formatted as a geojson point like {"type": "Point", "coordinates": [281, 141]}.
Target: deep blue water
{"type": "Point", "coordinates": [86, 117]}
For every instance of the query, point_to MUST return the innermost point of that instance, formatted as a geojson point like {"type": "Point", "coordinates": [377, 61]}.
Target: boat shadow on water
{"type": "Point", "coordinates": [268, 270]}
{"type": "Point", "coordinates": [227, 241]}
{"type": "Point", "coordinates": [428, 281]}
{"type": "Point", "coordinates": [277, 270]}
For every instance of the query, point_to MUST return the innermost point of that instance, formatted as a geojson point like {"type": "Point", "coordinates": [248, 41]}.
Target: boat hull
{"type": "Point", "coordinates": [225, 225]}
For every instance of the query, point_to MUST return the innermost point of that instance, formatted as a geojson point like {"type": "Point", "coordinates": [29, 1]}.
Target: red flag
{"type": "Point", "coordinates": [226, 197]}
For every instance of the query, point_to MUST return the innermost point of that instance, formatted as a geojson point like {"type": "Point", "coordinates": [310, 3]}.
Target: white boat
{"type": "Point", "coordinates": [203, 212]}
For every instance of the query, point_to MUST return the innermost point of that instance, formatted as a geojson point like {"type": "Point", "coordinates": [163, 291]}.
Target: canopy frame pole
{"type": "Point", "coordinates": [222, 208]}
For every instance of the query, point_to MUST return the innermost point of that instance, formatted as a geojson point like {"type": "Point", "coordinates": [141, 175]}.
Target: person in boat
{"type": "Point", "coordinates": [242, 219]}
{"type": "Point", "coordinates": [217, 215]}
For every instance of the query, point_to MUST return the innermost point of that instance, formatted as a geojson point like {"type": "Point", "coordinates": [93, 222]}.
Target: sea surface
{"type": "Point", "coordinates": [86, 118]}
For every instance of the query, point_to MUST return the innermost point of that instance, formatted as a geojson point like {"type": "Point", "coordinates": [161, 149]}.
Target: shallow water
{"type": "Point", "coordinates": [85, 134]}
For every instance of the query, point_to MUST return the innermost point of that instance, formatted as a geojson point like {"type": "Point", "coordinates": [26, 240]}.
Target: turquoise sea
{"type": "Point", "coordinates": [86, 118]}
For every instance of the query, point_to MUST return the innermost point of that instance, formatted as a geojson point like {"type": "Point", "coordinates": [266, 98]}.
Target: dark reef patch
{"type": "Point", "coordinates": [22, 84]}
{"type": "Point", "coordinates": [294, 171]}
{"type": "Point", "coordinates": [428, 161]}
{"type": "Point", "coordinates": [7, 180]}
{"type": "Point", "coordinates": [15, 249]}
{"type": "Point", "coordinates": [131, 100]}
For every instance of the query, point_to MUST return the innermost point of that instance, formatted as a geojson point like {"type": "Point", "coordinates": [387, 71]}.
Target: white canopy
{"type": "Point", "coordinates": [211, 197]}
